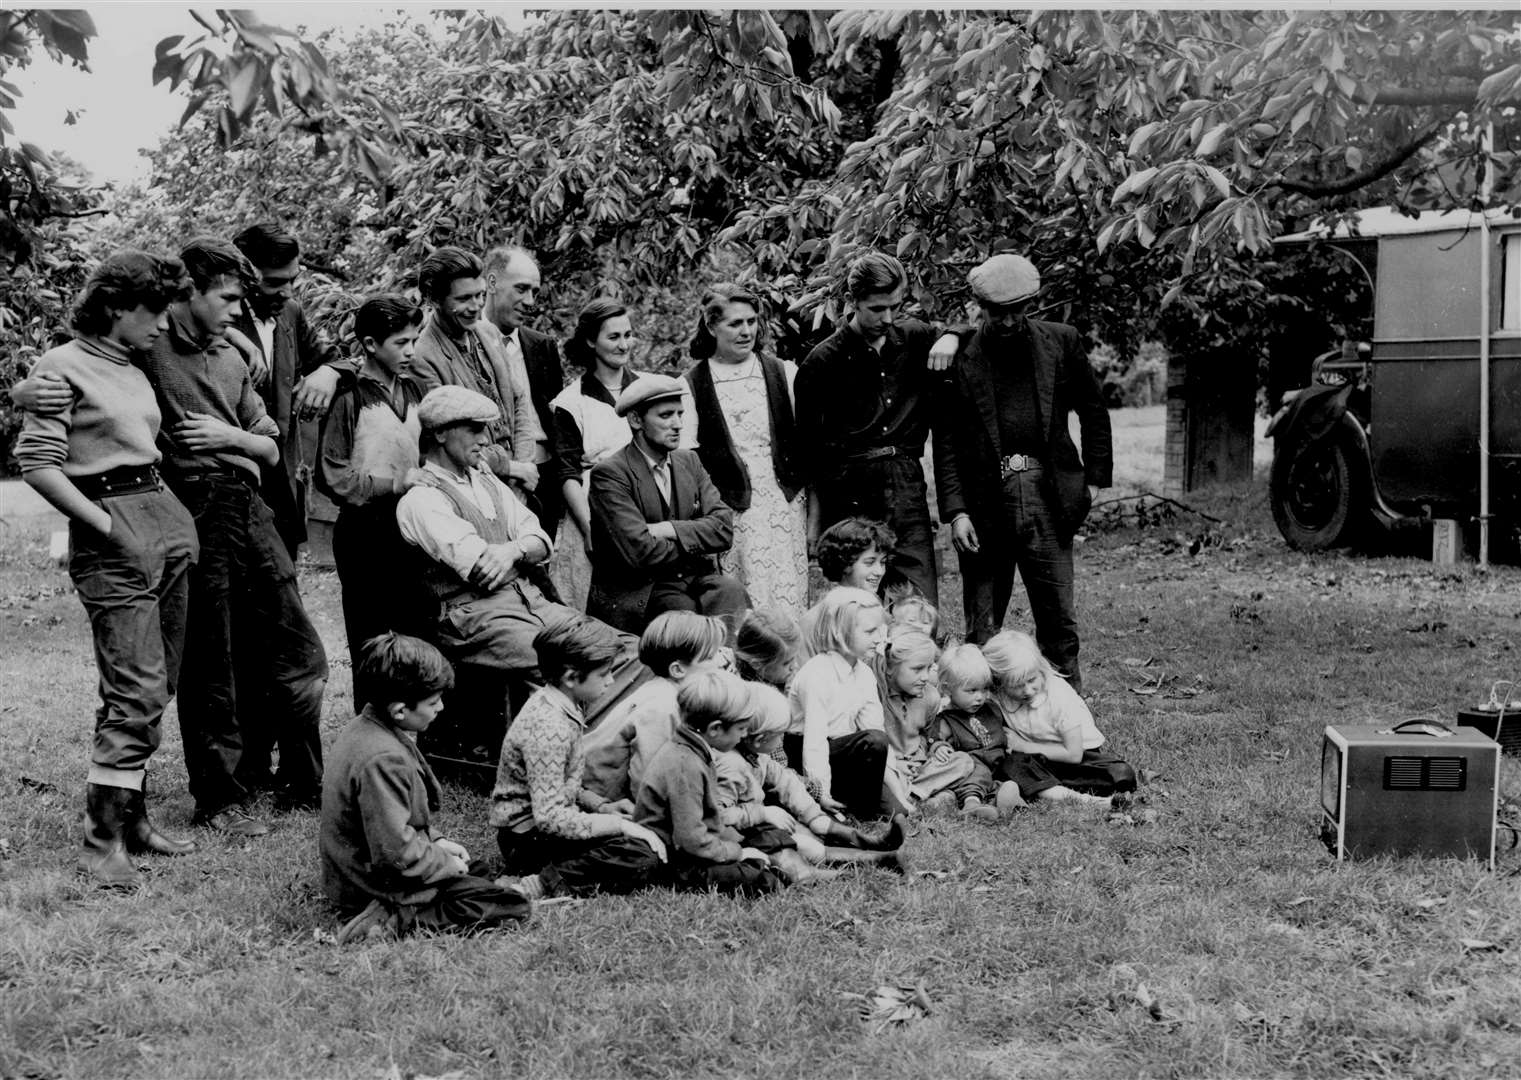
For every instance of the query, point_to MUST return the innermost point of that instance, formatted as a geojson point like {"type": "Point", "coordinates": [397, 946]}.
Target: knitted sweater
{"type": "Point", "coordinates": [113, 420]}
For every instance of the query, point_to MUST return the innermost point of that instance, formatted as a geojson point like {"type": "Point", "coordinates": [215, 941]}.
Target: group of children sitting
{"type": "Point", "coordinates": [731, 769]}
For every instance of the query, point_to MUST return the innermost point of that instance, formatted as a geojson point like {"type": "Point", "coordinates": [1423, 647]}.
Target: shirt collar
{"type": "Point", "coordinates": [694, 740]}
{"type": "Point", "coordinates": [655, 466]}
{"type": "Point", "coordinates": [561, 700]}
{"type": "Point", "coordinates": [183, 330]}
{"type": "Point", "coordinates": [106, 350]}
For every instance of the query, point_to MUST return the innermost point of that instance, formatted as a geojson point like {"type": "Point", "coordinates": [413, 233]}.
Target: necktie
{"type": "Point", "coordinates": [663, 483]}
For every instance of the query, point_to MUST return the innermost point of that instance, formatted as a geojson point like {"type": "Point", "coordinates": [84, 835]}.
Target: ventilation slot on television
{"type": "Point", "coordinates": [1425, 774]}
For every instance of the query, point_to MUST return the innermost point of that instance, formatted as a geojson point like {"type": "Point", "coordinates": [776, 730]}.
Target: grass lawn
{"type": "Point", "coordinates": [1218, 940]}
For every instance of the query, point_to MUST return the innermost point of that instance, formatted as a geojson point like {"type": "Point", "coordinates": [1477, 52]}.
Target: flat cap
{"type": "Point", "coordinates": [648, 389]}
{"type": "Point", "coordinates": [1004, 279]}
{"type": "Point", "coordinates": [445, 405]}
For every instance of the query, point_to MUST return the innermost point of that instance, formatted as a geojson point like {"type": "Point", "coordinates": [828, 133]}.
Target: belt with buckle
{"type": "Point", "coordinates": [122, 480]}
{"type": "Point", "coordinates": [1017, 463]}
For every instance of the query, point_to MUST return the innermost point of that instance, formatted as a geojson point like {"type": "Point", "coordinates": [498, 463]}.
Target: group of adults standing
{"type": "Point", "coordinates": [702, 493]}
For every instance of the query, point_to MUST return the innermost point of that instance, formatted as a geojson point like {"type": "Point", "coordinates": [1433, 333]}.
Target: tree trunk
{"type": "Point", "coordinates": [1211, 408]}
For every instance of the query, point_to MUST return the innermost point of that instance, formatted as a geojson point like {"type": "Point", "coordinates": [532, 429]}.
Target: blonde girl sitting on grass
{"type": "Point", "coordinates": [1055, 749]}
{"type": "Point", "coordinates": [935, 773]}
{"type": "Point", "coordinates": [837, 736]}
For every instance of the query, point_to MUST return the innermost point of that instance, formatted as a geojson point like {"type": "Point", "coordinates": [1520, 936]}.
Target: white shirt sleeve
{"type": "Point", "coordinates": [427, 519]}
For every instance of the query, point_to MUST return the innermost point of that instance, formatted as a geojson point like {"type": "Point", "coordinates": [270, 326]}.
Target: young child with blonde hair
{"type": "Point", "coordinates": [1056, 751]}
{"type": "Point", "coordinates": [934, 772]}
{"type": "Point", "coordinates": [753, 788]}
{"type": "Point", "coordinates": [837, 737]}
{"type": "Point", "coordinates": [970, 722]}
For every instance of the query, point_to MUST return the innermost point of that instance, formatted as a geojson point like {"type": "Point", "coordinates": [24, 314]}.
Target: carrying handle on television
{"type": "Point", "coordinates": [1421, 725]}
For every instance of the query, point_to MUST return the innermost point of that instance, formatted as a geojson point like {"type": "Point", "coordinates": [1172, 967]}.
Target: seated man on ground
{"type": "Point", "coordinates": [382, 864]}
{"type": "Point", "coordinates": [657, 520]}
{"type": "Point", "coordinates": [480, 541]}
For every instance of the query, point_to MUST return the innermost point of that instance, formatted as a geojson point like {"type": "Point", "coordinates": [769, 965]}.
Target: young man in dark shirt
{"type": "Point", "coordinates": [864, 402]}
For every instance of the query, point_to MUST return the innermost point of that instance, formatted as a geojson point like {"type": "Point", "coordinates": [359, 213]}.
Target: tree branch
{"type": "Point", "coordinates": [1362, 179]}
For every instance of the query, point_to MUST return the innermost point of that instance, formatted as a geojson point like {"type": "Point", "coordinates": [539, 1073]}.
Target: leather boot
{"type": "Point", "coordinates": [798, 870]}
{"type": "Point", "coordinates": [107, 817]}
{"type": "Point", "coordinates": [887, 860]}
{"type": "Point", "coordinates": [885, 838]}
{"type": "Point", "coordinates": [142, 837]}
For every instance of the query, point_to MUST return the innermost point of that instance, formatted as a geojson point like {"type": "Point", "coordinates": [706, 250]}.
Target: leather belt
{"type": "Point", "coordinates": [877, 453]}
{"type": "Point", "coordinates": [123, 480]}
{"type": "Point", "coordinates": [1017, 463]}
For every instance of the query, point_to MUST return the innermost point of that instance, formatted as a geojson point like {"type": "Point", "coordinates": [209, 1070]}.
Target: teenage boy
{"type": "Point", "coordinates": [566, 839]}
{"type": "Point", "coordinates": [459, 348]}
{"type": "Point", "coordinates": [368, 447]}
{"type": "Point", "coordinates": [657, 520]}
{"type": "Point", "coordinates": [253, 661]}
{"type": "Point", "coordinates": [865, 395]}
{"type": "Point", "coordinates": [679, 799]}
{"type": "Point", "coordinates": [382, 864]}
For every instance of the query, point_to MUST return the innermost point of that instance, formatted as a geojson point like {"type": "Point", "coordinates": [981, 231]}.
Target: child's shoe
{"type": "Point", "coordinates": [978, 810]}
{"type": "Point", "coordinates": [529, 886]}
{"type": "Point", "coordinates": [1008, 798]}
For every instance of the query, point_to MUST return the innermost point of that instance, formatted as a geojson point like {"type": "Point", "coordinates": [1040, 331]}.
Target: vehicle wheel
{"type": "Point", "coordinates": [1319, 492]}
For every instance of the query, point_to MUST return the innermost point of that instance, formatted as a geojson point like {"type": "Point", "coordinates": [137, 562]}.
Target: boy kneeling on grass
{"type": "Point", "coordinates": [566, 839]}
{"type": "Point", "coordinates": [381, 863]}
{"type": "Point", "coordinates": [679, 799]}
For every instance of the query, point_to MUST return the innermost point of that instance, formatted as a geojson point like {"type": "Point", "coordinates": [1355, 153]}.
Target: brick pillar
{"type": "Point", "coordinates": [1211, 401]}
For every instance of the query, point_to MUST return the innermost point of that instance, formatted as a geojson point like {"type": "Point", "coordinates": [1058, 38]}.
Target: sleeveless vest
{"type": "Point", "coordinates": [715, 446]}
{"type": "Point", "coordinates": [445, 585]}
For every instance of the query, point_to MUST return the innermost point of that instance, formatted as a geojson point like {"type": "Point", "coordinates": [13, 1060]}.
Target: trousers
{"type": "Point", "coordinates": [1028, 540]}
{"type": "Point", "coordinates": [605, 864]}
{"type": "Point", "coordinates": [255, 668]}
{"type": "Point", "coordinates": [857, 770]}
{"type": "Point", "coordinates": [135, 588]}
{"type": "Point", "coordinates": [368, 549]}
{"type": "Point", "coordinates": [891, 490]}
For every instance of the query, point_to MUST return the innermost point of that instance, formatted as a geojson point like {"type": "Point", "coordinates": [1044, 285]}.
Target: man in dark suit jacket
{"type": "Point", "coordinates": [512, 297]}
{"type": "Point", "coordinates": [657, 520]}
{"type": "Point", "coordinates": [1009, 479]}
{"type": "Point", "coordinates": [296, 372]}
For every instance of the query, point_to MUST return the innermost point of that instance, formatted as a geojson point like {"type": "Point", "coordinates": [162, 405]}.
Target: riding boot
{"type": "Point", "coordinates": [798, 870]}
{"type": "Point", "coordinates": [883, 838]}
{"type": "Point", "coordinates": [143, 837]}
{"type": "Point", "coordinates": [107, 818]}
{"type": "Point", "coordinates": [887, 860]}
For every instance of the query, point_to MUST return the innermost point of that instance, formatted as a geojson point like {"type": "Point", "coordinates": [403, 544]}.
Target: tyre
{"type": "Point", "coordinates": [1319, 492]}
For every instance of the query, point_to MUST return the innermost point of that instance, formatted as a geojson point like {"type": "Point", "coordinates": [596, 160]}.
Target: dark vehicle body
{"type": "Point", "coordinates": [1391, 432]}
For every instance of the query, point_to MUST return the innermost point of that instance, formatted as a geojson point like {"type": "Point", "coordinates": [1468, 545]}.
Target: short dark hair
{"type": "Point", "coordinates": [442, 269]}
{"type": "Point", "coordinates": [846, 541]}
{"type": "Point", "coordinates": [576, 647]}
{"type": "Point", "coordinates": [580, 349]}
{"type": "Point", "coordinates": [267, 244]}
{"type": "Point", "coordinates": [874, 273]}
{"type": "Point", "coordinates": [381, 316]}
{"type": "Point", "coordinates": [717, 297]}
{"type": "Point", "coordinates": [209, 258]}
{"type": "Point", "coordinates": [123, 281]}
{"type": "Point", "coordinates": [398, 668]}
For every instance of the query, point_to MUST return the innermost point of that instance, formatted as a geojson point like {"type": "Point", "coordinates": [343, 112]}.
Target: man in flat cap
{"type": "Point", "coordinates": [657, 520]}
{"type": "Point", "coordinates": [483, 545]}
{"type": "Point", "coordinates": [1008, 477]}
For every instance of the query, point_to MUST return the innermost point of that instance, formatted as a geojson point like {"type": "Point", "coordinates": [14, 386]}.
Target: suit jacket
{"type": "Point", "coordinates": [298, 351]}
{"type": "Point", "coordinates": [626, 559]}
{"type": "Point", "coordinates": [967, 453]}
{"type": "Point", "coordinates": [546, 378]}
{"type": "Point", "coordinates": [437, 362]}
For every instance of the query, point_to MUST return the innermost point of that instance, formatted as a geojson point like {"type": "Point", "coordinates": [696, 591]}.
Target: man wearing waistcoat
{"type": "Point", "coordinates": [1008, 477]}
{"type": "Point", "coordinates": [479, 539]}
{"type": "Point", "coordinates": [657, 520]}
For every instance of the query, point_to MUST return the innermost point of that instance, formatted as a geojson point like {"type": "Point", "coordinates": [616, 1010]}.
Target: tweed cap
{"type": "Point", "coordinates": [648, 389]}
{"type": "Point", "coordinates": [445, 405]}
{"type": "Point", "coordinates": [1004, 279]}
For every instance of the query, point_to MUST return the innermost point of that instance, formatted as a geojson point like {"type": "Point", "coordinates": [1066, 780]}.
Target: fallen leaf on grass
{"type": "Point", "coordinates": [1429, 627]}
{"type": "Point", "coordinates": [1300, 901]}
{"type": "Point", "coordinates": [1479, 945]}
{"type": "Point", "coordinates": [887, 1006]}
{"type": "Point", "coordinates": [1152, 1004]}
{"type": "Point", "coordinates": [1427, 903]}
{"type": "Point", "coordinates": [936, 875]}
{"type": "Point", "coordinates": [1136, 661]}
{"type": "Point", "coordinates": [38, 785]}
